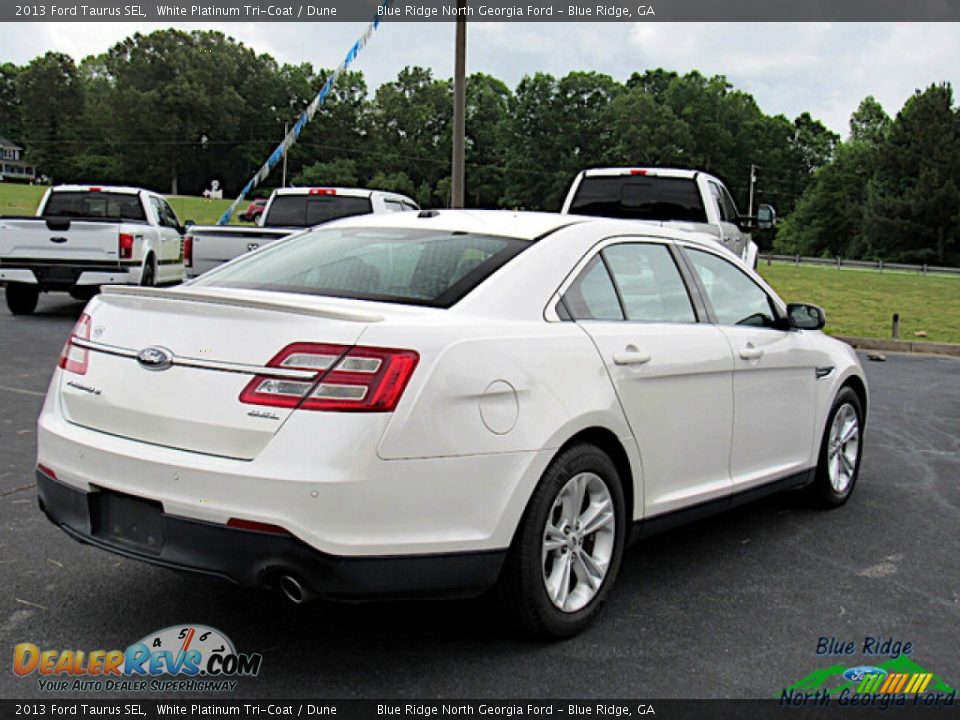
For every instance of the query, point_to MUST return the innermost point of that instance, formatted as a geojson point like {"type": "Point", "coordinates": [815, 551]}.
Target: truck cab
{"type": "Point", "coordinates": [684, 199]}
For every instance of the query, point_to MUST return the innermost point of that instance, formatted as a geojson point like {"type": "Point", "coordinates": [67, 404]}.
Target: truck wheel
{"type": "Point", "coordinates": [21, 298]}
{"type": "Point", "coordinates": [149, 276]}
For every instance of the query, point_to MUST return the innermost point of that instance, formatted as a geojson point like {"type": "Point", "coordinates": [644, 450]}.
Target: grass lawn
{"type": "Point", "coordinates": [862, 302]}
{"type": "Point", "coordinates": [16, 199]}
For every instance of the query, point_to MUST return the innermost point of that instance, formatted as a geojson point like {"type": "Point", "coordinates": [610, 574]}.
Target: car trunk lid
{"type": "Point", "coordinates": [168, 367]}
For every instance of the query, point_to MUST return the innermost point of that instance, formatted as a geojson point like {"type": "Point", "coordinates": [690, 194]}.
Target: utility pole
{"type": "Point", "coordinates": [753, 181]}
{"type": "Point", "coordinates": [459, 108]}
{"type": "Point", "coordinates": [286, 129]}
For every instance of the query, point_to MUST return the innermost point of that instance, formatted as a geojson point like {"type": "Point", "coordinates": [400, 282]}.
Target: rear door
{"type": "Point", "coordinates": [672, 373]}
{"type": "Point", "coordinates": [774, 377]}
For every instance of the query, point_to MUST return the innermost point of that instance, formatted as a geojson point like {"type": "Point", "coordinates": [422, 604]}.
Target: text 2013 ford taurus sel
{"type": "Point", "coordinates": [436, 403]}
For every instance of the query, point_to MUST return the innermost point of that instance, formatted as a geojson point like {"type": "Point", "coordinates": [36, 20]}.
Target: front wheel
{"type": "Point", "coordinates": [840, 451]}
{"type": "Point", "coordinates": [567, 551]}
{"type": "Point", "coordinates": [22, 299]}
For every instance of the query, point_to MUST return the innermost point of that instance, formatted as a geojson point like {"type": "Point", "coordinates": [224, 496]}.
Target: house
{"type": "Point", "coordinates": [13, 166]}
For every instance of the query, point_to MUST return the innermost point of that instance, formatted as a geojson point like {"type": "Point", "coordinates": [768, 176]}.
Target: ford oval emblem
{"type": "Point", "coordinates": [155, 358]}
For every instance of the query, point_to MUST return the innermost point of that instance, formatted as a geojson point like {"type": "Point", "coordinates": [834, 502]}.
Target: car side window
{"type": "Point", "coordinates": [718, 201]}
{"type": "Point", "coordinates": [393, 205]}
{"type": "Point", "coordinates": [730, 206]}
{"type": "Point", "coordinates": [650, 284]}
{"type": "Point", "coordinates": [736, 299]}
{"type": "Point", "coordinates": [592, 295]}
{"type": "Point", "coordinates": [170, 217]}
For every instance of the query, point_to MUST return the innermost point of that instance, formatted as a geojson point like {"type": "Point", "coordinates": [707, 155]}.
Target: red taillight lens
{"type": "Point", "coordinates": [323, 191]}
{"type": "Point", "coordinates": [72, 358]}
{"type": "Point", "coordinates": [638, 172]}
{"type": "Point", "coordinates": [188, 251]}
{"type": "Point", "coordinates": [125, 244]}
{"type": "Point", "coordinates": [348, 379]}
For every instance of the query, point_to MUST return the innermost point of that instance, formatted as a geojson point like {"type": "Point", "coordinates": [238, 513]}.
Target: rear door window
{"type": "Point", "coordinates": [414, 267]}
{"type": "Point", "coordinates": [649, 282]}
{"type": "Point", "coordinates": [639, 197]}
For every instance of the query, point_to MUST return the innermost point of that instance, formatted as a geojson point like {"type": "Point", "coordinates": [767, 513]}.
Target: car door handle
{"type": "Point", "coordinates": [631, 355]}
{"type": "Point", "coordinates": [750, 352]}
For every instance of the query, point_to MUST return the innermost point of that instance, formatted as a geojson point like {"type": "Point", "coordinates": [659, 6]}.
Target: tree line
{"type": "Point", "coordinates": [174, 110]}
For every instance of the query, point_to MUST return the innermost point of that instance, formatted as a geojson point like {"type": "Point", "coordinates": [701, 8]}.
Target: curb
{"type": "Point", "coordinates": [904, 346]}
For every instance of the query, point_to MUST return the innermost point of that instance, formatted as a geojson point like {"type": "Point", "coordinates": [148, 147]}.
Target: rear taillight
{"type": "Point", "coordinates": [72, 358]}
{"type": "Point", "coordinates": [125, 245]}
{"type": "Point", "coordinates": [188, 251]}
{"type": "Point", "coordinates": [638, 172]}
{"type": "Point", "coordinates": [348, 379]}
{"type": "Point", "coordinates": [322, 191]}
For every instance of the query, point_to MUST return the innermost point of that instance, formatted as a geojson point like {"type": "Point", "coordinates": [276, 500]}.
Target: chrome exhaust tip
{"type": "Point", "coordinates": [294, 590]}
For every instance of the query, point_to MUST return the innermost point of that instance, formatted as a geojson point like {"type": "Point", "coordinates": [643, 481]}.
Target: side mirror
{"type": "Point", "coordinates": [801, 316]}
{"type": "Point", "coordinates": [189, 224]}
{"type": "Point", "coordinates": [766, 217]}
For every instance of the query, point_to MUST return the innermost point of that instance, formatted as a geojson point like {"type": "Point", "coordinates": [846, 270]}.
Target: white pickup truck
{"type": "Point", "coordinates": [85, 236]}
{"type": "Point", "coordinates": [288, 211]}
{"type": "Point", "coordinates": [685, 199]}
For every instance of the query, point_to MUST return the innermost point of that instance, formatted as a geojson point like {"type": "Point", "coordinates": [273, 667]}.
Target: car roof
{"type": "Point", "coordinates": [524, 225]}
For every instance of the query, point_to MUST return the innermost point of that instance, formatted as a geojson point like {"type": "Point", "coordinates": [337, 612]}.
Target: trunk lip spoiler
{"type": "Point", "coordinates": [254, 304]}
{"type": "Point", "coordinates": [202, 364]}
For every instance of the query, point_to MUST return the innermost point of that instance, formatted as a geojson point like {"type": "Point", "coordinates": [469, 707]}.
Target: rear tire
{"type": "Point", "coordinates": [149, 276]}
{"type": "Point", "coordinates": [22, 298]}
{"type": "Point", "coordinates": [567, 550]}
{"type": "Point", "coordinates": [841, 450]}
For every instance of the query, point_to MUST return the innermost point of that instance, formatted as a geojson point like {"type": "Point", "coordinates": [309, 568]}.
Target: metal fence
{"type": "Point", "coordinates": [878, 265]}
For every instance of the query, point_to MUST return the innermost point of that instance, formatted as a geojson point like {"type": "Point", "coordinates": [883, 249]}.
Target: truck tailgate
{"type": "Point", "coordinates": [215, 245]}
{"type": "Point", "coordinates": [58, 239]}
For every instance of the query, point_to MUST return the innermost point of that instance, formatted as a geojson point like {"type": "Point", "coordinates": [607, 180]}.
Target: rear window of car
{"type": "Point", "coordinates": [308, 210]}
{"type": "Point", "coordinates": [408, 266]}
{"type": "Point", "coordinates": [95, 206]}
{"type": "Point", "coordinates": [639, 197]}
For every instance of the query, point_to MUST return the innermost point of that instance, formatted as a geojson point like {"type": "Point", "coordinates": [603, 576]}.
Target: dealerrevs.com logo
{"type": "Point", "coordinates": [187, 658]}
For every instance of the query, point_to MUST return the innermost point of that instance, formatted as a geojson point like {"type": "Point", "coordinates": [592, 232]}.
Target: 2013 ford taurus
{"type": "Point", "coordinates": [440, 403]}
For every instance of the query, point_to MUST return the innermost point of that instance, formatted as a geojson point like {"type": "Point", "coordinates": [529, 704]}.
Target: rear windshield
{"type": "Point", "coordinates": [95, 205]}
{"type": "Point", "coordinates": [307, 210]}
{"type": "Point", "coordinates": [412, 267]}
{"type": "Point", "coordinates": [639, 197]}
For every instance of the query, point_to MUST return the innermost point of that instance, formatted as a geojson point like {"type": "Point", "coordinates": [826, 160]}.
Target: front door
{"type": "Point", "coordinates": [774, 377]}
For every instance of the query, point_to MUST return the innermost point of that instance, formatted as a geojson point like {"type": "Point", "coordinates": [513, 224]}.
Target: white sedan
{"type": "Point", "coordinates": [437, 403]}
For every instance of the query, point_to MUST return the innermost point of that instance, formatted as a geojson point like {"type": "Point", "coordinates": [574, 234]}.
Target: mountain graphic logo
{"type": "Point", "coordinates": [898, 675]}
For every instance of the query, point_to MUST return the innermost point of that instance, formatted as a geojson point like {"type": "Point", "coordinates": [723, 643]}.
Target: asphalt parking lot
{"type": "Point", "coordinates": [729, 607]}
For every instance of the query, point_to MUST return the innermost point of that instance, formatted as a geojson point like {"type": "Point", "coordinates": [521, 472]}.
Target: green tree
{"type": "Point", "coordinates": [341, 173]}
{"type": "Point", "coordinates": [10, 127]}
{"type": "Point", "coordinates": [51, 102]}
{"type": "Point", "coordinates": [913, 203]}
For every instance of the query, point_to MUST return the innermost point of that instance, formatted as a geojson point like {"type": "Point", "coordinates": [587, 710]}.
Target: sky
{"type": "Point", "coordinates": [823, 68]}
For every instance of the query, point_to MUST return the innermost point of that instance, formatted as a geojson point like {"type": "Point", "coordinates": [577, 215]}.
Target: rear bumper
{"type": "Point", "coordinates": [51, 275]}
{"type": "Point", "coordinates": [258, 559]}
